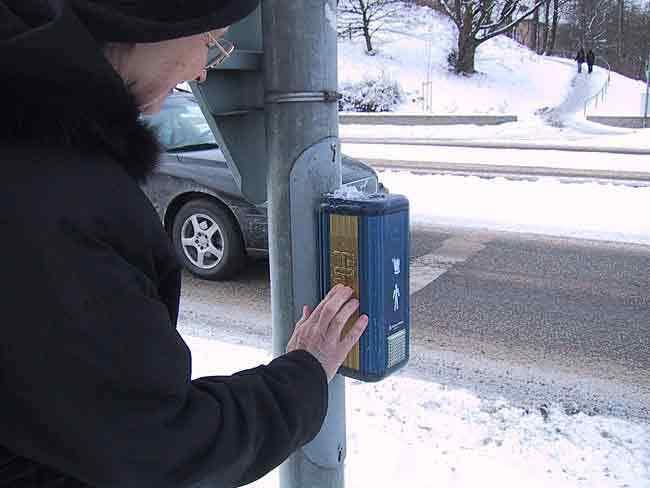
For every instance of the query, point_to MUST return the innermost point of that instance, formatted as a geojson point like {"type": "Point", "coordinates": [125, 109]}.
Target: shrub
{"type": "Point", "coordinates": [452, 60]}
{"type": "Point", "coordinates": [379, 94]}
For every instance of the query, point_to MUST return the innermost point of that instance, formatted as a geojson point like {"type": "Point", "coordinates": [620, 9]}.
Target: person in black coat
{"type": "Point", "coordinates": [95, 380]}
{"type": "Point", "coordinates": [580, 58]}
{"type": "Point", "coordinates": [591, 60]}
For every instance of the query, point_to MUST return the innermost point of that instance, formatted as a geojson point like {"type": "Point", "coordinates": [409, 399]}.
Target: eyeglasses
{"type": "Point", "coordinates": [218, 50]}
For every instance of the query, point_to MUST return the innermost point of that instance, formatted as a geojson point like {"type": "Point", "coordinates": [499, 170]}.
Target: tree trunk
{"type": "Point", "coordinates": [556, 14]}
{"type": "Point", "coordinates": [365, 21]}
{"type": "Point", "coordinates": [366, 34]}
{"type": "Point", "coordinates": [510, 32]}
{"type": "Point", "coordinates": [542, 47]}
{"type": "Point", "coordinates": [534, 34]}
{"type": "Point", "coordinates": [466, 43]}
{"type": "Point", "coordinates": [619, 33]}
{"type": "Point", "coordinates": [466, 56]}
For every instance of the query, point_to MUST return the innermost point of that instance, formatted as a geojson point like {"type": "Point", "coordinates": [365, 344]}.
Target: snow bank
{"type": "Point", "coordinates": [419, 434]}
{"type": "Point", "coordinates": [623, 97]}
{"type": "Point", "coordinates": [573, 132]}
{"type": "Point", "coordinates": [546, 206]}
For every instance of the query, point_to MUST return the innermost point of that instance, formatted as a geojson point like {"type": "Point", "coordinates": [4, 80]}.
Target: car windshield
{"type": "Point", "coordinates": [182, 127]}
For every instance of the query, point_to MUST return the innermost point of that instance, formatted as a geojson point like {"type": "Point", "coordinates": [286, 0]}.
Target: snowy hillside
{"type": "Point", "coordinates": [623, 97]}
{"type": "Point", "coordinates": [511, 79]}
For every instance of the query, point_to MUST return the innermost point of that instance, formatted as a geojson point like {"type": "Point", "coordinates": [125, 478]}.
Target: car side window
{"type": "Point", "coordinates": [181, 126]}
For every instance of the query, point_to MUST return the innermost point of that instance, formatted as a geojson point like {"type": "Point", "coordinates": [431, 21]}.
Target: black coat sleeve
{"type": "Point", "coordinates": [96, 381]}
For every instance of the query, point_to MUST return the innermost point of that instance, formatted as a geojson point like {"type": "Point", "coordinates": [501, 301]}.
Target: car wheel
{"type": "Point", "coordinates": [207, 240]}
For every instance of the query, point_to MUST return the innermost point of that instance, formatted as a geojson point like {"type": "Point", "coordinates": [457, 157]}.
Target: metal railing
{"type": "Point", "coordinates": [427, 84]}
{"type": "Point", "coordinates": [602, 93]}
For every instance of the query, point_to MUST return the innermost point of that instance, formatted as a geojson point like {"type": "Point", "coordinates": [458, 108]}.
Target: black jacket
{"type": "Point", "coordinates": [580, 56]}
{"type": "Point", "coordinates": [95, 385]}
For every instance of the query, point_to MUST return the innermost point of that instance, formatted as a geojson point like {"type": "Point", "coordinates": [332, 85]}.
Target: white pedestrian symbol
{"type": "Point", "coordinates": [396, 266]}
{"type": "Point", "coordinates": [396, 295]}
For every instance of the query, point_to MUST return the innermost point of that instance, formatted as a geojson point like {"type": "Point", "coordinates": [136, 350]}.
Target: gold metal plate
{"type": "Point", "coordinates": [344, 268]}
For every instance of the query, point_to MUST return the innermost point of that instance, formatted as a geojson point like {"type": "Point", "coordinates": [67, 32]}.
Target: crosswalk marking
{"type": "Point", "coordinates": [428, 268]}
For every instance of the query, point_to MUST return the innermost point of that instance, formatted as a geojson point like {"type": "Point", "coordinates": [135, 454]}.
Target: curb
{"type": "Point", "coordinates": [518, 172]}
{"type": "Point", "coordinates": [496, 145]}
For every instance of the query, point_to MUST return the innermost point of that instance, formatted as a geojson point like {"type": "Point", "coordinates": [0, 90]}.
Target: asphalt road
{"type": "Point", "coordinates": [533, 319]}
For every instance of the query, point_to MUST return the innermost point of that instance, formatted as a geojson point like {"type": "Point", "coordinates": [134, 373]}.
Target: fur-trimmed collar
{"type": "Point", "coordinates": [58, 89]}
{"type": "Point", "coordinates": [92, 120]}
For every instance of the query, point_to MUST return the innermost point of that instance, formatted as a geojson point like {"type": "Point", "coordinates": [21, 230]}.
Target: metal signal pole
{"type": "Point", "coordinates": [647, 93]}
{"type": "Point", "coordinates": [300, 65]}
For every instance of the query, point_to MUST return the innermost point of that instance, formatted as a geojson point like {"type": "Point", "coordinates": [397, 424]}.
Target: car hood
{"type": "Point", "coordinates": [214, 155]}
{"type": "Point", "coordinates": [352, 170]}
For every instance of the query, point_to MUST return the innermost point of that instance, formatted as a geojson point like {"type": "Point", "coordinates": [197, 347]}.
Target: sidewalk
{"type": "Point", "coordinates": [570, 146]}
{"type": "Point", "coordinates": [572, 134]}
{"type": "Point", "coordinates": [531, 161]}
{"type": "Point", "coordinates": [408, 431]}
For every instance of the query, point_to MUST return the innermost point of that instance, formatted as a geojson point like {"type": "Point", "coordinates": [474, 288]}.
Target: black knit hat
{"type": "Point", "coordinates": [158, 20]}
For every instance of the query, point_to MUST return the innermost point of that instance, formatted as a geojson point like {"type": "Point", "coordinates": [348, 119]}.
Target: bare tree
{"type": "Point", "coordinates": [549, 47]}
{"type": "Point", "coordinates": [534, 31]}
{"type": "Point", "coordinates": [618, 31]}
{"type": "Point", "coordinates": [364, 18]}
{"type": "Point", "coordinates": [480, 20]}
{"type": "Point", "coordinates": [546, 29]}
{"type": "Point", "coordinates": [620, 17]}
{"type": "Point", "coordinates": [590, 18]}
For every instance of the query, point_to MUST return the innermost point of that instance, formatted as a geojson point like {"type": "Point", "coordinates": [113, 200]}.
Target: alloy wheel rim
{"type": "Point", "coordinates": [202, 241]}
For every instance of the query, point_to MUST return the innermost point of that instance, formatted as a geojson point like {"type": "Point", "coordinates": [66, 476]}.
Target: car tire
{"type": "Point", "coordinates": [207, 240]}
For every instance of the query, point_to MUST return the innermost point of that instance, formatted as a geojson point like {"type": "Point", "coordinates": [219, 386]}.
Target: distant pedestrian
{"type": "Point", "coordinates": [591, 60]}
{"type": "Point", "coordinates": [580, 58]}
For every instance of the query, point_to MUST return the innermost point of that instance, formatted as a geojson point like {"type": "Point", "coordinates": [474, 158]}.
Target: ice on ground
{"type": "Point", "coordinates": [583, 210]}
{"type": "Point", "coordinates": [420, 434]}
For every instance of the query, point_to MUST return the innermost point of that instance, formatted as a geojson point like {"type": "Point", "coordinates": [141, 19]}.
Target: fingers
{"type": "Point", "coordinates": [334, 305]}
{"type": "Point", "coordinates": [356, 332]}
{"type": "Point", "coordinates": [343, 316]}
{"type": "Point", "coordinates": [319, 308]}
{"type": "Point", "coordinates": [306, 313]}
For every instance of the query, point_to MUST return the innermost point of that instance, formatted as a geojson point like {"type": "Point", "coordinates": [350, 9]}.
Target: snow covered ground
{"type": "Point", "coordinates": [546, 206]}
{"type": "Point", "coordinates": [546, 93]}
{"type": "Point", "coordinates": [510, 157]}
{"type": "Point", "coordinates": [511, 80]}
{"type": "Point", "coordinates": [419, 434]}
{"type": "Point", "coordinates": [623, 97]}
{"type": "Point", "coordinates": [574, 131]}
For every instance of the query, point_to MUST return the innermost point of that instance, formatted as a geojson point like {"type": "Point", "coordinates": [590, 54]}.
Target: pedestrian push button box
{"type": "Point", "coordinates": [364, 244]}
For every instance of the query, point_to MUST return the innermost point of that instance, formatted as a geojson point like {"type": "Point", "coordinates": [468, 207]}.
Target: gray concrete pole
{"type": "Point", "coordinates": [304, 162]}
{"type": "Point", "coordinates": [647, 93]}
